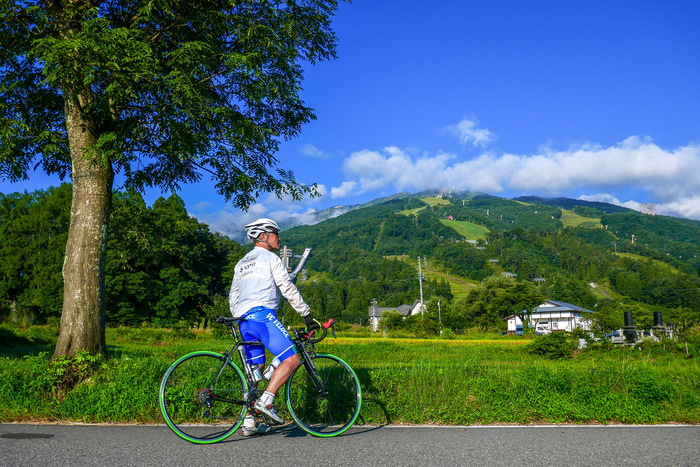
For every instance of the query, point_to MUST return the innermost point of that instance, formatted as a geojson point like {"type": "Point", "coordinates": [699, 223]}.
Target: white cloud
{"type": "Point", "coordinates": [666, 174]}
{"type": "Point", "coordinates": [669, 177]}
{"type": "Point", "coordinates": [345, 190]}
{"type": "Point", "coordinates": [467, 132]}
{"type": "Point", "coordinates": [310, 150]}
{"type": "Point", "coordinates": [684, 207]}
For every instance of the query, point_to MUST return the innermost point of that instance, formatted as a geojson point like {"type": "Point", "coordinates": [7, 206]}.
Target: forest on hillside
{"type": "Point", "coordinates": [162, 266]}
{"type": "Point", "coordinates": [165, 268]}
{"type": "Point", "coordinates": [526, 241]}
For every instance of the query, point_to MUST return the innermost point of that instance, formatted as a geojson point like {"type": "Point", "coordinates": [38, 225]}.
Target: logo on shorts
{"type": "Point", "coordinates": [280, 326]}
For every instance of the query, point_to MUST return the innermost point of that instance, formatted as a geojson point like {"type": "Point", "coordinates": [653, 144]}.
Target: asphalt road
{"type": "Point", "coordinates": [116, 446]}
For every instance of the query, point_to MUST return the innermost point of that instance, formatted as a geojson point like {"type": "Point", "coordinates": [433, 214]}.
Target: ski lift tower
{"type": "Point", "coordinates": [285, 254]}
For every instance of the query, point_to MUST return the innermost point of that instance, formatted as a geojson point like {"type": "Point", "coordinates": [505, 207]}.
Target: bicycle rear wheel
{"type": "Point", "coordinates": [324, 412]}
{"type": "Point", "coordinates": [202, 397]}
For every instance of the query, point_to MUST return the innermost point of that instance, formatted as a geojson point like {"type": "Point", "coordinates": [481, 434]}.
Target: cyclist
{"type": "Point", "coordinates": [259, 278]}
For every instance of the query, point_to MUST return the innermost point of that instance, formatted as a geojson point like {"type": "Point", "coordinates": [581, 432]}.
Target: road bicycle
{"type": "Point", "coordinates": [204, 395]}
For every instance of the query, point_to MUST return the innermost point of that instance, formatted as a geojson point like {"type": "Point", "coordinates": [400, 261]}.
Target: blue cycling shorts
{"type": "Point", "coordinates": [261, 324]}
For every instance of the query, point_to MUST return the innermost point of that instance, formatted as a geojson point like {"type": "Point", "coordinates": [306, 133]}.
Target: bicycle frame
{"type": "Point", "coordinates": [306, 360]}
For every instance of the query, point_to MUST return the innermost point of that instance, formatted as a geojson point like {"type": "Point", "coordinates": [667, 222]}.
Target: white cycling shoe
{"type": "Point", "coordinates": [268, 409]}
{"type": "Point", "coordinates": [251, 428]}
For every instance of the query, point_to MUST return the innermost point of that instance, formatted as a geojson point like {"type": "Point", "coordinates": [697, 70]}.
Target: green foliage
{"type": "Point", "coordinates": [162, 265]}
{"type": "Point", "coordinates": [436, 381]}
{"type": "Point", "coordinates": [587, 211]}
{"type": "Point", "coordinates": [422, 325]}
{"type": "Point", "coordinates": [62, 374]}
{"type": "Point", "coordinates": [166, 100]}
{"type": "Point", "coordinates": [218, 307]}
{"type": "Point", "coordinates": [391, 321]}
{"type": "Point", "coordinates": [33, 233]}
{"type": "Point", "coordinates": [556, 346]}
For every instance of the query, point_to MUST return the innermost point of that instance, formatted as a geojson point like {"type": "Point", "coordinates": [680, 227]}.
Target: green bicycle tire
{"type": "Point", "coordinates": [192, 382]}
{"type": "Point", "coordinates": [324, 416]}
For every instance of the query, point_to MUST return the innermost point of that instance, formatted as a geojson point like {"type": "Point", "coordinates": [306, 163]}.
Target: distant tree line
{"type": "Point", "coordinates": [162, 268]}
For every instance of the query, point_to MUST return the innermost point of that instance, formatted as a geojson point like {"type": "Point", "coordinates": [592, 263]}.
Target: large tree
{"type": "Point", "coordinates": [158, 93]}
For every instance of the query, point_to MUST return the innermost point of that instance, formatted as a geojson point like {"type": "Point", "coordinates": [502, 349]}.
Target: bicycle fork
{"type": "Point", "coordinates": [311, 369]}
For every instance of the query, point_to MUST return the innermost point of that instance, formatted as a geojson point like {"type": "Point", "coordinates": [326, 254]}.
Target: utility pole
{"type": "Point", "coordinates": [420, 282]}
{"type": "Point", "coordinates": [439, 317]}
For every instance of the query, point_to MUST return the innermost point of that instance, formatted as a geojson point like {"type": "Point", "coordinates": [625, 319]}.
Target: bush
{"type": "Point", "coordinates": [218, 307]}
{"type": "Point", "coordinates": [62, 374]}
{"type": "Point", "coordinates": [555, 346]}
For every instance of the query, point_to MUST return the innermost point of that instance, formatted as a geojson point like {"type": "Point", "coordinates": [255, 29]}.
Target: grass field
{"type": "Point", "coordinates": [432, 201]}
{"type": "Point", "coordinates": [463, 382]}
{"type": "Point", "coordinates": [412, 212]}
{"type": "Point", "coordinates": [467, 229]}
{"type": "Point", "coordinates": [571, 219]}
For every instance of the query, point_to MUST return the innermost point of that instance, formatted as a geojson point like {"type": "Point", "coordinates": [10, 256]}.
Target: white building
{"type": "Point", "coordinates": [558, 316]}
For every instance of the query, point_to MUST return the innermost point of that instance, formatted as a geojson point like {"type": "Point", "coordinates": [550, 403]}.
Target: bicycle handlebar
{"type": "Point", "coordinates": [305, 335]}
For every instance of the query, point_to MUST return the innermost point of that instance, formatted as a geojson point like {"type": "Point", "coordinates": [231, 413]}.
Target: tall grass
{"type": "Point", "coordinates": [411, 381]}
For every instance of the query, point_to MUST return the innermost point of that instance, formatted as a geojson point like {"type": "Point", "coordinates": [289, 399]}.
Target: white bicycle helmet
{"type": "Point", "coordinates": [260, 226]}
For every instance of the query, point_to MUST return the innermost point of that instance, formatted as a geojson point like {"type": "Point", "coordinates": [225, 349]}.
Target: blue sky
{"type": "Point", "coordinates": [585, 99]}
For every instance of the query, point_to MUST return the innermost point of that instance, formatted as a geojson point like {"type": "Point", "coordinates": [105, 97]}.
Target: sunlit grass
{"type": "Point", "coordinates": [467, 229]}
{"type": "Point", "coordinates": [571, 219]}
{"type": "Point", "coordinates": [485, 380]}
{"type": "Point", "coordinates": [432, 201]}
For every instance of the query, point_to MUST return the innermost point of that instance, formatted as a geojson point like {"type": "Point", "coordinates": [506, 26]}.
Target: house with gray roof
{"type": "Point", "coordinates": [375, 312]}
{"type": "Point", "coordinates": [556, 316]}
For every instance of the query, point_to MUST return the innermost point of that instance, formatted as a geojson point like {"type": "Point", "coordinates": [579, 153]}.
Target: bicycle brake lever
{"type": "Point", "coordinates": [330, 324]}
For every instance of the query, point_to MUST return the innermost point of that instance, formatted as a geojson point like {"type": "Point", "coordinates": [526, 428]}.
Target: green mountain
{"type": "Point", "coordinates": [371, 253]}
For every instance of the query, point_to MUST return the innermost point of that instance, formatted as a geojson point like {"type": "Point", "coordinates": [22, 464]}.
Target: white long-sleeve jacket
{"type": "Point", "coordinates": [259, 278]}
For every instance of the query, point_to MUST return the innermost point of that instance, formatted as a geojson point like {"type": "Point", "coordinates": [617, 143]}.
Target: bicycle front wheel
{"type": "Point", "coordinates": [327, 402]}
{"type": "Point", "coordinates": [202, 397]}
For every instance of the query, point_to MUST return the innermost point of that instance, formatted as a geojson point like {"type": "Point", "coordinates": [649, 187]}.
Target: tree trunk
{"type": "Point", "coordinates": [83, 316]}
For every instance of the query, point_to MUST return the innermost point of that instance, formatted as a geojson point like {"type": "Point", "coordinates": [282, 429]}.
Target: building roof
{"type": "Point", "coordinates": [552, 305]}
{"type": "Point", "coordinates": [404, 310]}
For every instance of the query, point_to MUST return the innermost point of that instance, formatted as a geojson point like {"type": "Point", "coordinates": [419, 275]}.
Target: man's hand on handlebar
{"type": "Point", "coordinates": [311, 323]}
